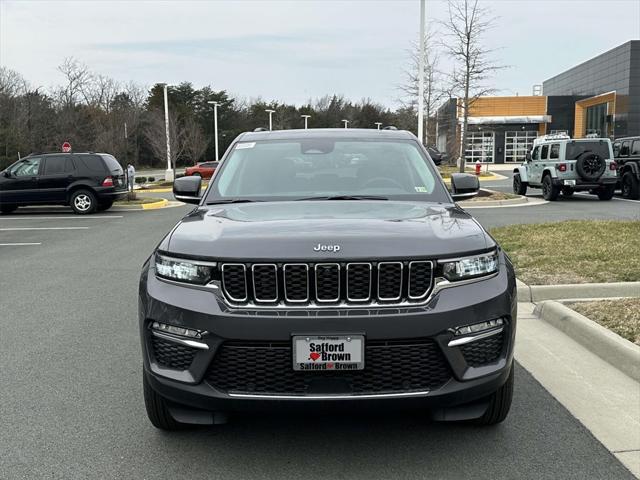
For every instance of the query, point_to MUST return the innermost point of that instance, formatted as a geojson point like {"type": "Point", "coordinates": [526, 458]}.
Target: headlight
{"type": "Point", "coordinates": [182, 270]}
{"type": "Point", "coordinates": [471, 267]}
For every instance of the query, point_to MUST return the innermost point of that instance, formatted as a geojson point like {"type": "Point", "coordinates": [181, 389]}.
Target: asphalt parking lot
{"type": "Point", "coordinates": [71, 391]}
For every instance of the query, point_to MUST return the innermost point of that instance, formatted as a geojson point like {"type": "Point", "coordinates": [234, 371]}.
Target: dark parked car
{"type": "Point", "coordinates": [301, 280]}
{"type": "Point", "coordinates": [436, 155]}
{"type": "Point", "coordinates": [626, 151]}
{"type": "Point", "coordinates": [87, 182]}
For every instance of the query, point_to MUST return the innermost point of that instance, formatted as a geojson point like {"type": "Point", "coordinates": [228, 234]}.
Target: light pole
{"type": "Point", "coordinates": [215, 125]}
{"type": "Point", "coordinates": [306, 117]}
{"type": "Point", "coordinates": [346, 123]}
{"type": "Point", "coordinates": [421, 77]}
{"type": "Point", "coordinates": [379, 124]}
{"type": "Point", "coordinates": [168, 175]}
{"type": "Point", "coordinates": [270, 112]}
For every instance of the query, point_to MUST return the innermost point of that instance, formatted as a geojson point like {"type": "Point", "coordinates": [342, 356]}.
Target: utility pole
{"type": "Point", "coordinates": [421, 76]}
{"type": "Point", "coordinates": [270, 112]}
{"type": "Point", "coordinates": [168, 176]}
{"type": "Point", "coordinates": [306, 117]}
{"type": "Point", "coordinates": [215, 125]}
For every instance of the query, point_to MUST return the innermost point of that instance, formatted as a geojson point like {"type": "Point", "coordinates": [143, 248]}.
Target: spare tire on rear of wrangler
{"type": "Point", "coordinates": [590, 166]}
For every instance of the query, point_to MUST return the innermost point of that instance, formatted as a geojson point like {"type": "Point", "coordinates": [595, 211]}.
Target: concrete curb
{"type": "Point", "coordinates": [539, 293]}
{"type": "Point", "coordinates": [161, 203]}
{"type": "Point", "coordinates": [613, 349]}
{"type": "Point", "coordinates": [494, 203]}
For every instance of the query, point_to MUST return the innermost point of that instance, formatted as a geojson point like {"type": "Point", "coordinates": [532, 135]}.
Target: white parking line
{"type": "Point", "coordinates": [18, 244]}
{"type": "Point", "coordinates": [42, 228]}
{"type": "Point", "coordinates": [614, 198]}
{"type": "Point", "coordinates": [37, 217]}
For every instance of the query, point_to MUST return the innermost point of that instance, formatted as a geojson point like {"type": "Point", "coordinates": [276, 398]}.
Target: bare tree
{"type": "Point", "coordinates": [464, 31]}
{"type": "Point", "coordinates": [155, 135]}
{"type": "Point", "coordinates": [78, 78]}
{"type": "Point", "coordinates": [194, 142]}
{"type": "Point", "coordinates": [433, 91]}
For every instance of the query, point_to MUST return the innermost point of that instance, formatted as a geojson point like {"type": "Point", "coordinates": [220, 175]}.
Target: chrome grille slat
{"type": "Point", "coordinates": [265, 282]}
{"type": "Point", "coordinates": [388, 275]}
{"type": "Point", "coordinates": [419, 285]}
{"type": "Point", "coordinates": [291, 272]}
{"type": "Point", "coordinates": [327, 284]}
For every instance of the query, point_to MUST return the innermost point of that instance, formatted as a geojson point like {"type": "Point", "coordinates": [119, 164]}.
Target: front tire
{"type": "Point", "coordinates": [83, 202]}
{"type": "Point", "coordinates": [500, 403]}
{"type": "Point", "coordinates": [606, 193]}
{"type": "Point", "coordinates": [157, 409]}
{"type": "Point", "coordinates": [519, 187]}
{"type": "Point", "coordinates": [5, 209]}
{"type": "Point", "coordinates": [630, 186]}
{"type": "Point", "coordinates": [550, 191]}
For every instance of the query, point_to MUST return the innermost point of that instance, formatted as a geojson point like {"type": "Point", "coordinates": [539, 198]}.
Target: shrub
{"type": "Point", "coordinates": [141, 180]}
{"type": "Point", "coordinates": [151, 179]}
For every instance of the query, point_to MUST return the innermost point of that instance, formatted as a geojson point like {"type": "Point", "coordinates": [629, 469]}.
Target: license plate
{"type": "Point", "coordinates": [328, 352]}
{"type": "Point", "coordinates": [571, 183]}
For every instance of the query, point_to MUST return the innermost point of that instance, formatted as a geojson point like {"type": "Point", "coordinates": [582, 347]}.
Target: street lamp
{"type": "Point", "coordinates": [306, 118]}
{"type": "Point", "coordinates": [421, 77]}
{"type": "Point", "coordinates": [379, 124]}
{"type": "Point", "coordinates": [346, 123]}
{"type": "Point", "coordinates": [215, 125]}
{"type": "Point", "coordinates": [168, 175]}
{"type": "Point", "coordinates": [270, 112]}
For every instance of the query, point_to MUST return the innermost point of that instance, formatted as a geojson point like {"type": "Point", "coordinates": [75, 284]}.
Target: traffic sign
{"type": "Point", "coordinates": [66, 147]}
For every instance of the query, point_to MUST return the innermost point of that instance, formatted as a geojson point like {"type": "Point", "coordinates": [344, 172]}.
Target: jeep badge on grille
{"type": "Point", "coordinates": [326, 248]}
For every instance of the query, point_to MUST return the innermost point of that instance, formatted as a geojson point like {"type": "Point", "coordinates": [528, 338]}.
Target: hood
{"type": "Point", "coordinates": [300, 230]}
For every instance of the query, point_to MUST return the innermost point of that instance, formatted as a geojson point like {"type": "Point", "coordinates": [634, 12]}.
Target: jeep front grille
{"type": "Point", "coordinates": [327, 283]}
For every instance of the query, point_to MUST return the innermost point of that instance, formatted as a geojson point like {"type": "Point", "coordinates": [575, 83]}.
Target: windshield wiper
{"type": "Point", "coordinates": [232, 200]}
{"type": "Point", "coordinates": [345, 197]}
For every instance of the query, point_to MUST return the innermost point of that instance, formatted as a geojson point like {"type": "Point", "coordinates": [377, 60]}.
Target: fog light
{"type": "Point", "coordinates": [184, 332]}
{"type": "Point", "coordinates": [479, 327]}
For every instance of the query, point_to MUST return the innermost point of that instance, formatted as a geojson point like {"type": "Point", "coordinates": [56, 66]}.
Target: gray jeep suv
{"type": "Point", "coordinates": [326, 269]}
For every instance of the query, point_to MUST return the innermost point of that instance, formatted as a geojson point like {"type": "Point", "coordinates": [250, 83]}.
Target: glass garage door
{"type": "Point", "coordinates": [517, 144]}
{"type": "Point", "coordinates": [480, 147]}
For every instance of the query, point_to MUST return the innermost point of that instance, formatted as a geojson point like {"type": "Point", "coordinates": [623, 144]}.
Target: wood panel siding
{"type": "Point", "coordinates": [508, 106]}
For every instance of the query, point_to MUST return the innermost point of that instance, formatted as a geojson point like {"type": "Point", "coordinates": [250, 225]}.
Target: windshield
{"type": "Point", "coordinates": [325, 167]}
{"type": "Point", "coordinates": [576, 149]}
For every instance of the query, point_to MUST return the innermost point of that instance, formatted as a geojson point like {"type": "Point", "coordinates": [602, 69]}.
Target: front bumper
{"type": "Point", "coordinates": [192, 382]}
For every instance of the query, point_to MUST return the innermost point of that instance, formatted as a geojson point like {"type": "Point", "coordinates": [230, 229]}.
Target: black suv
{"type": "Point", "coordinates": [626, 151]}
{"type": "Point", "coordinates": [327, 268]}
{"type": "Point", "coordinates": [87, 182]}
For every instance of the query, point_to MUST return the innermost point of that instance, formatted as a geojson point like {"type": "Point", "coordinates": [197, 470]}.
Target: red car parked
{"type": "Point", "coordinates": [203, 169]}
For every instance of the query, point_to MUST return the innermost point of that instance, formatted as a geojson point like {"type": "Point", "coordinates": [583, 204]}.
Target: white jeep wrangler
{"type": "Point", "coordinates": [559, 164]}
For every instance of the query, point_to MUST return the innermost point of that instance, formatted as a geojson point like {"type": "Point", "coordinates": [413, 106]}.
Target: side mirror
{"type": "Point", "coordinates": [528, 156]}
{"type": "Point", "coordinates": [187, 189]}
{"type": "Point", "coordinates": [464, 185]}
{"type": "Point", "coordinates": [6, 173]}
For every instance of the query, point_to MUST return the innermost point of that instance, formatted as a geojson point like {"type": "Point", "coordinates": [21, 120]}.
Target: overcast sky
{"type": "Point", "coordinates": [294, 50]}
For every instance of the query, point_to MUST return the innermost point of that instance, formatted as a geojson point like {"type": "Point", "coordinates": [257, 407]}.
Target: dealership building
{"type": "Point", "coordinates": [598, 97]}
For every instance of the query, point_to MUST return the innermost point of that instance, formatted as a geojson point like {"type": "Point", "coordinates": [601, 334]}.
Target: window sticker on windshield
{"type": "Point", "coordinates": [421, 189]}
{"type": "Point", "coordinates": [240, 146]}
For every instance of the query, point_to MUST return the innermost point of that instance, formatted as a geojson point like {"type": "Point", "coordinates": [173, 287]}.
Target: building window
{"type": "Point", "coordinates": [517, 144]}
{"type": "Point", "coordinates": [597, 120]}
{"type": "Point", "coordinates": [480, 147]}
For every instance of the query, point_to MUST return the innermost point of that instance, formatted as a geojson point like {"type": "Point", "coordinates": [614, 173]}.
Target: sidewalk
{"type": "Point", "coordinates": [605, 400]}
